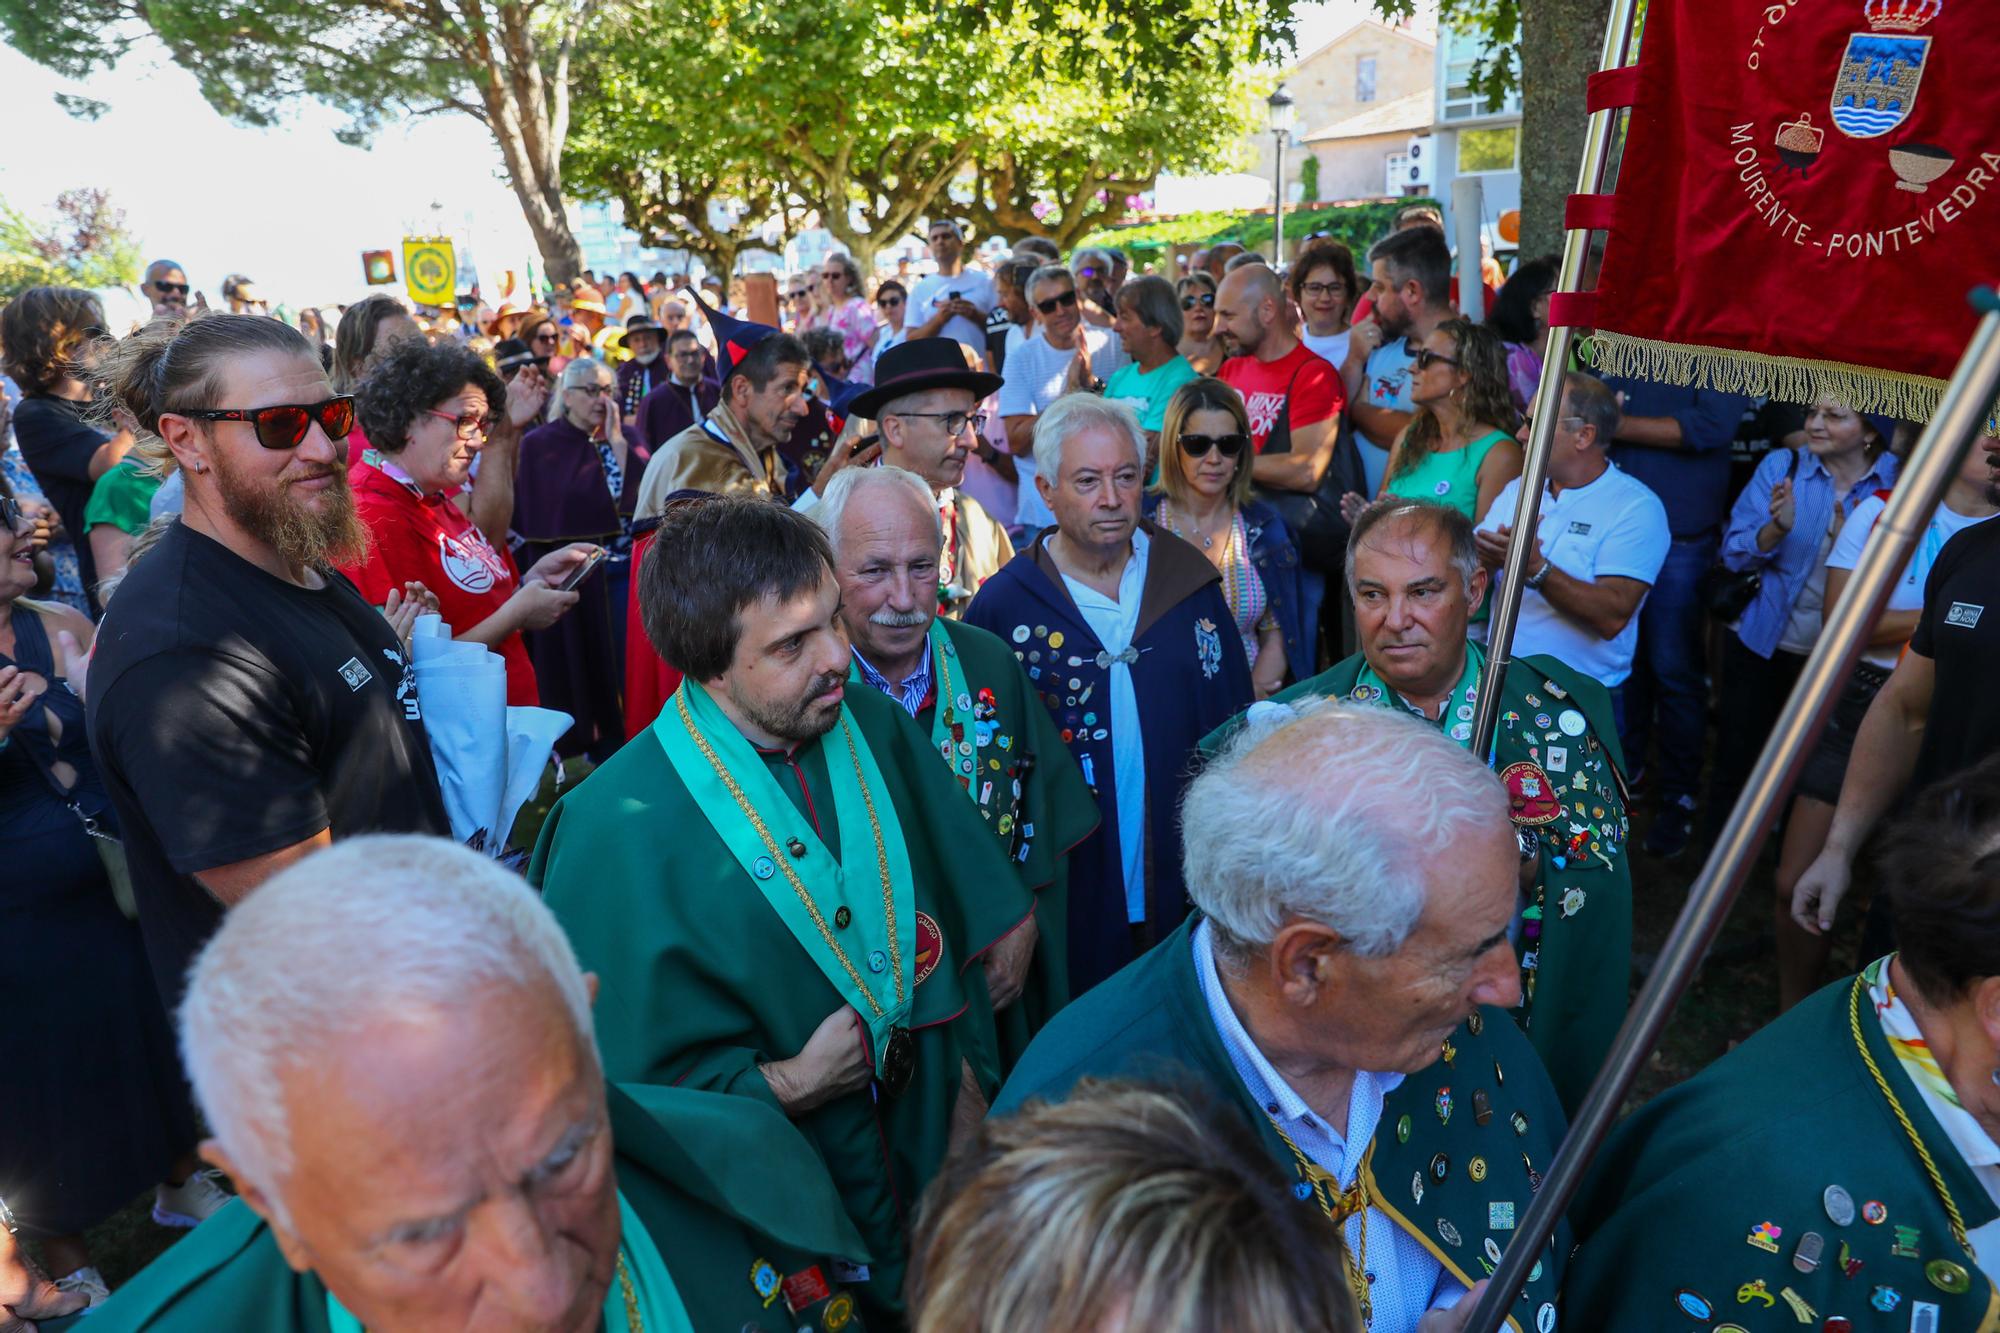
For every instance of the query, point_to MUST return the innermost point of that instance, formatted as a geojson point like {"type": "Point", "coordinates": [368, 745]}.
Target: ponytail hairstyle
{"type": "Point", "coordinates": [355, 337]}
{"type": "Point", "coordinates": [176, 365]}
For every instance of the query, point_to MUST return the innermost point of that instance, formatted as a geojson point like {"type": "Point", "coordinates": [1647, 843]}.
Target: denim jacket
{"type": "Point", "coordinates": [1276, 558]}
{"type": "Point", "coordinates": [1788, 565]}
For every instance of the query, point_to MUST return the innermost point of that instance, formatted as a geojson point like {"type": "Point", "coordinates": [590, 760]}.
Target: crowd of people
{"type": "Point", "coordinates": [1032, 868]}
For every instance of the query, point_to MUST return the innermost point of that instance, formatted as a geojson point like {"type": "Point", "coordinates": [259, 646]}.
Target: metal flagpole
{"type": "Point", "coordinates": [1960, 418]}
{"type": "Point", "coordinates": [1548, 402]}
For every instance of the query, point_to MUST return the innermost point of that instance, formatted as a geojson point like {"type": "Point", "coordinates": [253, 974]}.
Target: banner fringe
{"type": "Point", "coordinates": [1757, 375]}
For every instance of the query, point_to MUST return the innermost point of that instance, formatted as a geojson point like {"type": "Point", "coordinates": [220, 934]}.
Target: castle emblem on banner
{"type": "Point", "coordinates": [1881, 69]}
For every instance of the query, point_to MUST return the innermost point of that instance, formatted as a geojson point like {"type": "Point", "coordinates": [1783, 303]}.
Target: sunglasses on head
{"type": "Point", "coordinates": [179, 288]}
{"type": "Point", "coordinates": [1055, 303]}
{"type": "Point", "coordinates": [1197, 446]}
{"type": "Point", "coordinates": [285, 426]}
{"type": "Point", "coordinates": [1205, 298]}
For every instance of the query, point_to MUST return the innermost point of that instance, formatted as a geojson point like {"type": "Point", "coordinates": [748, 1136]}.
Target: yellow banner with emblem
{"type": "Point", "coordinates": [430, 270]}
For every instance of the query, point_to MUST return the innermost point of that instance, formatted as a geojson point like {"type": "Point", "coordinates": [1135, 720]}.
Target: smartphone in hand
{"type": "Point", "coordinates": [582, 571]}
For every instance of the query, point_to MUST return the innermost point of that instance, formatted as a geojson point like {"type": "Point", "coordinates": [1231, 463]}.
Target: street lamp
{"type": "Point", "coordinates": [1280, 104]}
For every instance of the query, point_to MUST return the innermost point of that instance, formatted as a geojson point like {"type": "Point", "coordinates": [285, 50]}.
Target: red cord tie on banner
{"type": "Point", "coordinates": [1572, 310]}
{"type": "Point", "coordinates": [1610, 88]}
{"type": "Point", "coordinates": [1591, 212]}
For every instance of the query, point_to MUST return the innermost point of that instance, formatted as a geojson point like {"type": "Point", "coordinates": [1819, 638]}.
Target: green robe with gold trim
{"type": "Point", "coordinates": [1054, 811]}
{"type": "Point", "coordinates": [721, 1187]}
{"type": "Point", "coordinates": [1700, 1199]}
{"type": "Point", "coordinates": [1149, 1022]}
{"type": "Point", "coordinates": [701, 982]}
{"type": "Point", "coordinates": [1576, 936]}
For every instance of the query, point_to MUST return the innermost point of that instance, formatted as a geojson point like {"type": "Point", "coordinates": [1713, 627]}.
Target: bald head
{"type": "Point", "coordinates": [1249, 305]}
{"type": "Point", "coordinates": [166, 287]}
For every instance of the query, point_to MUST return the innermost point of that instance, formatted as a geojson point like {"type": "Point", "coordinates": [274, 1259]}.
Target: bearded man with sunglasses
{"type": "Point", "coordinates": [246, 704]}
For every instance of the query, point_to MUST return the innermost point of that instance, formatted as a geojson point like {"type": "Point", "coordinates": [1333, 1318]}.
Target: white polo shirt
{"type": "Point", "coordinates": [1615, 527]}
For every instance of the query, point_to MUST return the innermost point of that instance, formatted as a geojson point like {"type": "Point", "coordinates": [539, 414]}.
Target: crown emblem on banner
{"type": "Point", "coordinates": [1901, 15]}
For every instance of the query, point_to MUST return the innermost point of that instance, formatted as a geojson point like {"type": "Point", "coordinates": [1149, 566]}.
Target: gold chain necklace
{"type": "Point", "coordinates": [1326, 1191]}
{"type": "Point", "coordinates": [631, 1294]}
{"type": "Point", "coordinates": [783, 862]}
{"type": "Point", "coordinates": [1902, 1118]}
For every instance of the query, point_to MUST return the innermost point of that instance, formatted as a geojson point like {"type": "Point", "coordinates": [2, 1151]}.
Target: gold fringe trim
{"type": "Point", "coordinates": [1756, 375]}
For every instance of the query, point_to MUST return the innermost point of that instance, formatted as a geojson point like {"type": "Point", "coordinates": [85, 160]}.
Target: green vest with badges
{"type": "Point", "coordinates": [731, 1197]}
{"type": "Point", "coordinates": [990, 728]}
{"type": "Point", "coordinates": [708, 969]}
{"type": "Point", "coordinates": [1781, 1189]}
{"type": "Point", "coordinates": [1556, 749]}
{"type": "Point", "coordinates": [1459, 1152]}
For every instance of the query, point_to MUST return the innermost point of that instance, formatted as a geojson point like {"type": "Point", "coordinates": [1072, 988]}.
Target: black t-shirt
{"type": "Point", "coordinates": [233, 714]}
{"type": "Point", "coordinates": [58, 442]}
{"type": "Point", "coordinates": [1959, 630]}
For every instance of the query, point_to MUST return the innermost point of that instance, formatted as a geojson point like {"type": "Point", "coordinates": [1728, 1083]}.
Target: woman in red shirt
{"type": "Point", "coordinates": [427, 411]}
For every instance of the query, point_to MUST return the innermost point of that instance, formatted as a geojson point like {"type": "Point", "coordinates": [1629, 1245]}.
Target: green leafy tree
{"type": "Point", "coordinates": [1548, 50]}
{"type": "Point", "coordinates": [84, 243]}
{"type": "Point", "coordinates": [506, 63]}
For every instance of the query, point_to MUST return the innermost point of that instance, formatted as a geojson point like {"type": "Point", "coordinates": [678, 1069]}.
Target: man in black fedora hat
{"type": "Point", "coordinates": [645, 371]}
{"type": "Point", "coordinates": [925, 404]}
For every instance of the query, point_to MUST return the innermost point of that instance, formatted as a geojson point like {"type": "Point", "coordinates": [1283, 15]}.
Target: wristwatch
{"type": "Point", "coordinates": [1538, 578]}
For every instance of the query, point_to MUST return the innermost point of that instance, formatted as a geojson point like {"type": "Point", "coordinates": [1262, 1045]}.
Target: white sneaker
{"type": "Point", "coordinates": [88, 1281]}
{"type": "Point", "coordinates": [190, 1203]}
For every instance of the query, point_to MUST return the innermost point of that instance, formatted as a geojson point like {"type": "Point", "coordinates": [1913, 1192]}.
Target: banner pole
{"type": "Point", "coordinates": [1960, 420]}
{"type": "Point", "coordinates": [1548, 401]}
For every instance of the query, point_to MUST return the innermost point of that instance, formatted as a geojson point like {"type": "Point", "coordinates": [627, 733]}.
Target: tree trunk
{"type": "Point", "coordinates": [562, 257]}
{"type": "Point", "coordinates": [1561, 43]}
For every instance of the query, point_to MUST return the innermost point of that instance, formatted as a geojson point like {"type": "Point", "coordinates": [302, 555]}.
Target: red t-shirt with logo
{"type": "Point", "coordinates": [428, 539]}
{"type": "Point", "coordinates": [1315, 387]}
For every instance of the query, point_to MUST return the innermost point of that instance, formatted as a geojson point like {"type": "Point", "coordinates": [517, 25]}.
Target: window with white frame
{"type": "Point", "coordinates": [1364, 79]}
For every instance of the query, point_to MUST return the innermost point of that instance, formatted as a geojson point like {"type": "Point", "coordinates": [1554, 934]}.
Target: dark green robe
{"type": "Point", "coordinates": [1054, 812]}
{"type": "Point", "coordinates": [701, 981]}
{"type": "Point", "coordinates": [1686, 1187]}
{"type": "Point", "coordinates": [1576, 937]}
{"type": "Point", "coordinates": [718, 1184]}
{"type": "Point", "coordinates": [1150, 1023]}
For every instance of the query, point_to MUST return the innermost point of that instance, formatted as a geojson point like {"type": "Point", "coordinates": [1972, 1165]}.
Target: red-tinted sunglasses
{"type": "Point", "coordinates": [283, 427]}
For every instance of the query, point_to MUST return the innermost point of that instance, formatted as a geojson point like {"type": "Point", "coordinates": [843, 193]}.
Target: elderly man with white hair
{"type": "Point", "coordinates": [1125, 633]}
{"type": "Point", "coordinates": [392, 1042]}
{"type": "Point", "coordinates": [969, 694]}
{"type": "Point", "coordinates": [1343, 988]}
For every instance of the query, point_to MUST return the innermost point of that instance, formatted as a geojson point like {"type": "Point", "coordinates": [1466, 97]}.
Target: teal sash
{"type": "Point", "coordinates": [871, 960]}
{"type": "Point", "coordinates": [1456, 721]}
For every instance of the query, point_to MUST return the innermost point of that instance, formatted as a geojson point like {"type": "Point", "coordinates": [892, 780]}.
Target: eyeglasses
{"type": "Point", "coordinates": [1206, 298]}
{"type": "Point", "coordinates": [15, 517]}
{"type": "Point", "coordinates": [1426, 358]}
{"type": "Point", "coordinates": [179, 288]}
{"type": "Point", "coordinates": [1317, 289]}
{"type": "Point", "coordinates": [467, 426]}
{"type": "Point", "coordinates": [285, 426]}
{"type": "Point", "coordinates": [1197, 446]}
{"type": "Point", "coordinates": [1055, 303]}
{"type": "Point", "coordinates": [888, 302]}
{"type": "Point", "coordinates": [954, 422]}
{"type": "Point", "coordinates": [594, 390]}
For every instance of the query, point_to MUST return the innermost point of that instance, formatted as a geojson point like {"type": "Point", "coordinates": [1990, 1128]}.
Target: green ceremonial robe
{"type": "Point", "coordinates": [1557, 749]}
{"type": "Point", "coordinates": [724, 1190]}
{"type": "Point", "coordinates": [1015, 740]}
{"type": "Point", "coordinates": [702, 982]}
{"type": "Point", "coordinates": [1150, 1023]}
{"type": "Point", "coordinates": [1698, 1204]}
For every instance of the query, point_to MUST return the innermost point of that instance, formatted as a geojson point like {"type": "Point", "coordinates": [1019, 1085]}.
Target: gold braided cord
{"type": "Point", "coordinates": [1759, 375]}
{"type": "Point", "coordinates": [783, 862]}
{"type": "Point", "coordinates": [632, 1319]}
{"type": "Point", "coordinates": [1916, 1140]}
{"type": "Point", "coordinates": [1352, 1203]}
{"type": "Point", "coordinates": [881, 859]}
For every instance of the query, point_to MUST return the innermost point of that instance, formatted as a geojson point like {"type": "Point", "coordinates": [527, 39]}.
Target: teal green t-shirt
{"type": "Point", "coordinates": [122, 497]}
{"type": "Point", "coordinates": [1448, 478]}
{"type": "Point", "coordinates": [1148, 393]}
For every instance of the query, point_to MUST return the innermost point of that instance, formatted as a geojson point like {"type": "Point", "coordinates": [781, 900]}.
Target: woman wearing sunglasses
{"type": "Point", "coordinates": [1203, 497]}
{"type": "Point", "coordinates": [429, 412]}
{"type": "Point", "coordinates": [1459, 448]}
{"type": "Point", "coordinates": [51, 336]}
{"type": "Point", "coordinates": [891, 301]}
{"type": "Point", "coordinates": [1203, 350]}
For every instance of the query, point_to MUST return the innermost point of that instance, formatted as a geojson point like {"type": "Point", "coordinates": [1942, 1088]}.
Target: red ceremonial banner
{"type": "Point", "coordinates": [1808, 189]}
